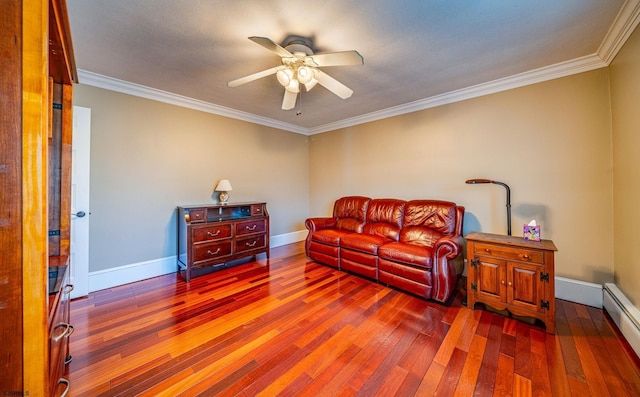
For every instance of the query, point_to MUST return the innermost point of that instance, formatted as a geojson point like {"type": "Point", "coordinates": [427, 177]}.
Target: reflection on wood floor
{"type": "Point", "coordinates": [293, 327]}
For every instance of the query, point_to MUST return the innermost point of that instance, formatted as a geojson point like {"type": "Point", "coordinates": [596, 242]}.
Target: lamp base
{"type": "Point", "coordinates": [223, 198]}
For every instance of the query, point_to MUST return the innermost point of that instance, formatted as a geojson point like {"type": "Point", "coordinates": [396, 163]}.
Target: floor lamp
{"type": "Point", "coordinates": [477, 181]}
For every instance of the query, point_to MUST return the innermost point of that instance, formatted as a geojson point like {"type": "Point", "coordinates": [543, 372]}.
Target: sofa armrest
{"type": "Point", "coordinates": [315, 224]}
{"type": "Point", "coordinates": [448, 246]}
{"type": "Point", "coordinates": [445, 274]}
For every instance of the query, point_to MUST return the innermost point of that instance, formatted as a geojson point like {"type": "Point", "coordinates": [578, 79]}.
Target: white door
{"type": "Point", "coordinates": [79, 249]}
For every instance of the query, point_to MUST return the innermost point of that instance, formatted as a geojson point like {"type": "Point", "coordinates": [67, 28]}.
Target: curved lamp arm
{"type": "Point", "coordinates": [476, 181]}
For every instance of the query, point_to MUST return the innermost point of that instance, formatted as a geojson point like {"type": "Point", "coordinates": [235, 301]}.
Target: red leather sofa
{"type": "Point", "coordinates": [415, 246]}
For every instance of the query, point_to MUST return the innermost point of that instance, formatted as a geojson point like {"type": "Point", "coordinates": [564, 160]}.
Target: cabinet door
{"type": "Point", "coordinates": [491, 278]}
{"type": "Point", "coordinates": [525, 288]}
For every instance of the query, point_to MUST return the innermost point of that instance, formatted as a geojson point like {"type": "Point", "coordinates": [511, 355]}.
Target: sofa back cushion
{"type": "Point", "coordinates": [384, 218]}
{"type": "Point", "coordinates": [350, 213]}
{"type": "Point", "coordinates": [425, 221]}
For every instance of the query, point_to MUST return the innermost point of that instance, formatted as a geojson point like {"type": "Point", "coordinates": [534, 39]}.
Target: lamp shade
{"type": "Point", "coordinates": [285, 76]}
{"type": "Point", "coordinates": [223, 186]}
{"type": "Point", "coordinates": [304, 74]}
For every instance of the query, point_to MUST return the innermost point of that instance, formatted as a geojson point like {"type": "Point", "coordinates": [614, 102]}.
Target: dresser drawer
{"type": "Point", "coordinates": [251, 243]}
{"type": "Point", "coordinates": [252, 226]}
{"type": "Point", "coordinates": [257, 210]}
{"type": "Point", "coordinates": [509, 253]}
{"type": "Point", "coordinates": [211, 232]}
{"type": "Point", "coordinates": [208, 251]}
{"type": "Point", "coordinates": [197, 215]}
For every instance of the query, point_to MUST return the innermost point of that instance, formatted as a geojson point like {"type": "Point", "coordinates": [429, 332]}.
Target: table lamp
{"type": "Point", "coordinates": [223, 187]}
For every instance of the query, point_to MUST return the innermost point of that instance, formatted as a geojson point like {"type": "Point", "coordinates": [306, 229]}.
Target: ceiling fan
{"type": "Point", "coordinates": [301, 66]}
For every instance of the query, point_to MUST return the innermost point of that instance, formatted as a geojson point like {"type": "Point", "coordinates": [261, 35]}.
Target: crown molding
{"type": "Point", "coordinates": [563, 69]}
{"type": "Point", "coordinates": [626, 21]}
{"type": "Point", "coordinates": [622, 27]}
{"type": "Point", "coordinates": [125, 87]}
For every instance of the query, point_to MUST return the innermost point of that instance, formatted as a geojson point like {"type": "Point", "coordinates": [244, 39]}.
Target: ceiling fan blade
{"type": "Point", "coordinates": [333, 85]}
{"type": "Point", "coordinates": [255, 76]}
{"type": "Point", "coordinates": [271, 46]}
{"type": "Point", "coordinates": [341, 58]}
{"type": "Point", "coordinates": [289, 100]}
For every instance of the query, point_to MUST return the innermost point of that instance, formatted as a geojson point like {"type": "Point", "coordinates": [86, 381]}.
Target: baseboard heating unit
{"type": "Point", "coordinates": [624, 314]}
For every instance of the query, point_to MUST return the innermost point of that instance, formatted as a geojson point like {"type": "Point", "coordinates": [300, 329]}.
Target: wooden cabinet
{"type": "Point", "coordinates": [214, 235]}
{"type": "Point", "coordinates": [511, 273]}
{"type": "Point", "coordinates": [60, 327]}
{"type": "Point", "coordinates": [36, 87]}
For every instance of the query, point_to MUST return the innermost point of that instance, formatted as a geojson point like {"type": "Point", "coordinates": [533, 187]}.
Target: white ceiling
{"type": "Point", "coordinates": [417, 54]}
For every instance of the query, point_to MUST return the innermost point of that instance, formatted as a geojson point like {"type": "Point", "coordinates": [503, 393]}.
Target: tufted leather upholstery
{"type": "Point", "coordinates": [415, 246]}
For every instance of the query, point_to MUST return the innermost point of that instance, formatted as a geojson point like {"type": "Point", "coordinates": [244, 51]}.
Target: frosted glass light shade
{"type": "Point", "coordinates": [304, 74]}
{"type": "Point", "coordinates": [285, 76]}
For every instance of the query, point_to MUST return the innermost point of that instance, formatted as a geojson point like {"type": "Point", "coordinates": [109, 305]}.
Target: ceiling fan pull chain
{"type": "Point", "coordinates": [299, 112]}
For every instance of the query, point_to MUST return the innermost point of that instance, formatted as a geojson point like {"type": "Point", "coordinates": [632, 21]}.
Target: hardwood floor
{"type": "Point", "coordinates": [294, 327]}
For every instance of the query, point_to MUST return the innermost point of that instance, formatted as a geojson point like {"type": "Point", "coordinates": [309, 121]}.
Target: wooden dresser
{"type": "Point", "coordinates": [508, 272]}
{"type": "Point", "coordinates": [214, 235]}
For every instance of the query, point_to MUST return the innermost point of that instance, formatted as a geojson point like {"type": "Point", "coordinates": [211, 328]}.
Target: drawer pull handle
{"type": "Point", "coordinates": [502, 282]}
{"type": "Point", "coordinates": [251, 244]}
{"type": "Point", "coordinates": [66, 384]}
{"type": "Point", "coordinates": [487, 250]}
{"type": "Point", "coordinates": [68, 330]}
{"type": "Point", "coordinates": [214, 234]}
{"type": "Point", "coordinates": [525, 256]}
{"type": "Point", "coordinates": [213, 253]}
{"type": "Point", "coordinates": [252, 227]}
{"type": "Point", "coordinates": [510, 284]}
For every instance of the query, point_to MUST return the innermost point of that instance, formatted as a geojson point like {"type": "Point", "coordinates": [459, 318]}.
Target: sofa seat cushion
{"type": "Point", "coordinates": [412, 254]}
{"type": "Point", "coordinates": [367, 243]}
{"type": "Point", "coordinates": [329, 236]}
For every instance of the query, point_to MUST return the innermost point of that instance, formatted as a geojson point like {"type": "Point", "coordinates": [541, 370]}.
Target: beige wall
{"type": "Point", "coordinates": [148, 157]}
{"type": "Point", "coordinates": [551, 142]}
{"type": "Point", "coordinates": [625, 101]}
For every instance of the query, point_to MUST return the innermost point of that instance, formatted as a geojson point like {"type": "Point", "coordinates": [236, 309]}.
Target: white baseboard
{"type": "Point", "coordinates": [572, 290]}
{"type": "Point", "coordinates": [288, 238]}
{"type": "Point", "coordinates": [109, 278]}
{"type": "Point", "coordinates": [624, 314]}
{"type": "Point", "coordinates": [133, 272]}
{"type": "Point", "coordinates": [577, 291]}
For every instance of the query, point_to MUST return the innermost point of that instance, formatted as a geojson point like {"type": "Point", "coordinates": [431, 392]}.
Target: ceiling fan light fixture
{"type": "Point", "coordinates": [293, 86]}
{"type": "Point", "coordinates": [285, 77]}
{"type": "Point", "coordinates": [305, 74]}
{"type": "Point", "coordinates": [299, 65]}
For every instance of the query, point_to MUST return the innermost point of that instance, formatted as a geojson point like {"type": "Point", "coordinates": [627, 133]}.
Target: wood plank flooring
{"type": "Point", "coordinates": [295, 327]}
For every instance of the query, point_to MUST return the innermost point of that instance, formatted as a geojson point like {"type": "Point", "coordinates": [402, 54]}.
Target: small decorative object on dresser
{"type": "Point", "coordinates": [511, 273]}
{"type": "Point", "coordinates": [213, 235]}
{"type": "Point", "coordinates": [224, 186]}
